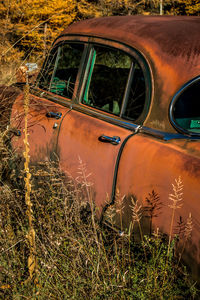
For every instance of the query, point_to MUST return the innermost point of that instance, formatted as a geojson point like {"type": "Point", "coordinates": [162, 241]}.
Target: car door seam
{"type": "Point", "coordinates": [56, 148]}
{"type": "Point", "coordinates": [116, 173]}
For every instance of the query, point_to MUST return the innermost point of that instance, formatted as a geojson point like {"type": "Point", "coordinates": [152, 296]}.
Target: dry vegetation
{"type": "Point", "coordinates": [28, 27]}
{"type": "Point", "coordinates": [53, 247]}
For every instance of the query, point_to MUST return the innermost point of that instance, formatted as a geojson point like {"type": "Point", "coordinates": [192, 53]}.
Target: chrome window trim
{"type": "Point", "coordinates": [79, 74]}
{"type": "Point", "coordinates": [127, 89]}
{"type": "Point", "coordinates": [51, 96]}
{"type": "Point", "coordinates": [104, 116]}
{"type": "Point", "coordinates": [165, 136]}
{"type": "Point", "coordinates": [171, 107]}
{"type": "Point", "coordinates": [55, 67]}
{"type": "Point", "coordinates": [161, 135]}
{"type": "Point", "coordinates": [142, 62]}
{"type": "Point", "coordinates": [132, 52]}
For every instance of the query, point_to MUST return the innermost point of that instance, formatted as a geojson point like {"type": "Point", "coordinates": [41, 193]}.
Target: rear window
{"type": "Point", "coordinates": [60, 72]}
{"type": "Point", "coordinates": [186, 108]}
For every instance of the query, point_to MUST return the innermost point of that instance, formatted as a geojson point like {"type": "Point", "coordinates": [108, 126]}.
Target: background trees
{"type": "Point", "coordinates": [27, 27]}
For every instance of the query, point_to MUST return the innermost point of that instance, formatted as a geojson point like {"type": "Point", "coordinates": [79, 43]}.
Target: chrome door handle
{"type": "Point", "coordinates": [114, 140]}
{"type": "Point", "coordinates": [55, 115]}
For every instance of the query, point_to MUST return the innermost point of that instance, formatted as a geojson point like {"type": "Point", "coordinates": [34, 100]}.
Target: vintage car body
{"type": "Point", "coordinates": [146, 140]}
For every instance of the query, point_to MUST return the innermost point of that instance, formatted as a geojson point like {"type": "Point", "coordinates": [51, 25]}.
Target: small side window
{"type": "Point", "coordinates": [186, 108]}
{"type": "Point", "coordinates": [115, 83]}
{"type": "Point", "coordinates": [61, 69]}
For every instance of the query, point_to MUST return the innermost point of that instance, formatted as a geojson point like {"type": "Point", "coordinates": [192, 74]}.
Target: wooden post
{"type": "Point", "coordinates": [161, 7]}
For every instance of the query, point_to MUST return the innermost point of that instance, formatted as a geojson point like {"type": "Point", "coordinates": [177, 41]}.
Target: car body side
{"type": "Point", "coordinates": [152, 152]}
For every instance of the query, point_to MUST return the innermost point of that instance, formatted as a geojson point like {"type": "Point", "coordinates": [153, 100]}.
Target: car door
{"type": "Point", "coordinates": [95, 132]}
{"type": "Point", "coordinates": [49, 102]}
{"type": "Point", "coordinates": [162, 171]}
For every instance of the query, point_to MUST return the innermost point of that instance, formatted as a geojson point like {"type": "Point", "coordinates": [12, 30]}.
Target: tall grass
{"type": "Point", "coordinates": [76, 256]}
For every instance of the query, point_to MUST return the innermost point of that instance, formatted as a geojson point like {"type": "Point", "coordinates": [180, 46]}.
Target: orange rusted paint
{"type": "Point", "coordinates": [171, 48]}
{"type": "Point", "coordinates": [147, 164]}
{"type": "Point", "coordinates": [169, 44]}
{"type": "Point", "coordinates": [78, 141]}
{"type": "Point", "coordinates": [42, 135]}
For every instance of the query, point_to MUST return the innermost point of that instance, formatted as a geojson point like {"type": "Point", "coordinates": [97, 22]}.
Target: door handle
{"type": "Point", "coordinates": [114, 140]}
{"type": "Point", "coordinates": [15, 131]}
{"type": "Point", "coordinates": [55, 115]}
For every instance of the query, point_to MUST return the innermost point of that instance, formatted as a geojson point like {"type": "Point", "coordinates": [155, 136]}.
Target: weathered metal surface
{"type": "Point", "coordinates": [79, 147]}
{"type": "Point", "coordinates": [170, 44]}
{"type": "Point", "coordinates": [42, 132]}
{"type": "Point", "coordinates": [148, 164]}
{"type": "Point", "coordinates": [151, 159]}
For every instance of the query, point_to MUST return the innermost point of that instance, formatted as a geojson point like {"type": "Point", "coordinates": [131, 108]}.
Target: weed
{"type": "Point", "coordinates": [76, 257]}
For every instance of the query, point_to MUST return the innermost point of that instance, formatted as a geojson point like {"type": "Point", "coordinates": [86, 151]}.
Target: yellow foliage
{"type": "Point", "coordinates": [5, 287]}
{"type": "Point", "coordinates": [189, 7]}
{"type": "Point", "coordinates": [88, 10]}
{"type": "Point", "coordinates": [182, 7]}
{"type": "Point", "coordinates": [30, 16]}
{"type": "Point", "coordinates": [24, 20]}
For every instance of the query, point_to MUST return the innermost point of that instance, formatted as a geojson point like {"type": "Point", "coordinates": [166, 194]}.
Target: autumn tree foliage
{"type": "Point", "coordinates": [31, 25]}
{"type": "Point", "coordinates": [188, 7]}
{"type": "Point", "coordinates": [28, 19]}
{"type": "Point", "coordinates": [180, 7]}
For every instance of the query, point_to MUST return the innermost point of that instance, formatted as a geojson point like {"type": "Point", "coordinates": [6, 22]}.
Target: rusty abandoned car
{"type": "Point", "coordinates": [123, 95]}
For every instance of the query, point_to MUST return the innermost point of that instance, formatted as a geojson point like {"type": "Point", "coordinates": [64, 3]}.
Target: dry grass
{"type": "Point", "coordinates": [76, 256]}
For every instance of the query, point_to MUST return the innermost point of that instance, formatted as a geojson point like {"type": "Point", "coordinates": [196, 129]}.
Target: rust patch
{"type": "Point", "coordinates": [168, 43]}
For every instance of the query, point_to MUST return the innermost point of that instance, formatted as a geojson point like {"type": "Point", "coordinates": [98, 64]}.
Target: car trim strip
{"type": "Point", "coordinates": [166, 136]}
{"type": "Point", "coordinates": [113, 193]}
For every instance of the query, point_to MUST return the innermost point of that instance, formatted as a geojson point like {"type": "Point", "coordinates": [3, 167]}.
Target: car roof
{"type": "Point", "coordinates": [146, 28]}
{"type": "Point", "coordinates": [170, 45]}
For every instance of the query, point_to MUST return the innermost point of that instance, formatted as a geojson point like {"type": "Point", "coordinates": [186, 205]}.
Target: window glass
{"type": "Point", "coordinates": [47, 71]}
{"type": "Point", "coordinates": [60, 72]}
{"type": "Point", "coordinates": [115, 83]}
{"type": "Point", "coordinates": [136, 94]}
{"type": "Point", "coordinates": [186, 110]}
{"type": "Point", "coordinates": [107, 78]}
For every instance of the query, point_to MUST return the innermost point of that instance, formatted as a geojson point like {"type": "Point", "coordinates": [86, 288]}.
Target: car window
{"type": "Point", "coordinates": [136, 94]}
{"type": "Point", "coordinates": [186, 109]}
{"type": "Point", "coordinates": [61, 69]}
{"type": "Point", "coordinates": [106, 88]}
